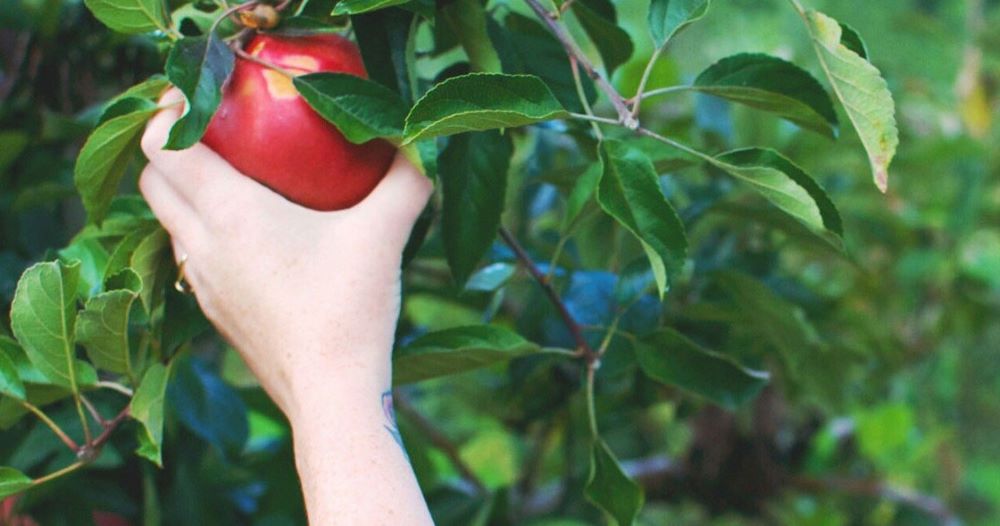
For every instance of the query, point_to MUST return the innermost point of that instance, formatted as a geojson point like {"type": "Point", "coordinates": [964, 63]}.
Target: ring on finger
{"type": "Point", "coordinates": [181, 285]}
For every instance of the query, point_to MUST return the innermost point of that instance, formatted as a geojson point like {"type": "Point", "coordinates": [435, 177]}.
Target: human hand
{"type": "Point", "coordinates": [306, 297]}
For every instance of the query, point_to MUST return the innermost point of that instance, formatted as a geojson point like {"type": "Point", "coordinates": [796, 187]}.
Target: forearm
{"type": "Point", "coordinates": [351, 463]}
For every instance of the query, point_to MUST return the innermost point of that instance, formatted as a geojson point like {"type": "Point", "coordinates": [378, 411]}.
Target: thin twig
{"type": "Point", "coordinates": [109, 429]}
{"type": "Point", "coordinates": [659, 91]}
{"type": "Point", "coordinates": [257, 60]}
{"type": "Point", "coordinates": [589, 393]}
{"type": "Point", "coordinates": [93, 411]}
{"type": "Point", "coordinates": [115, 387]}
{"type": "Point", "coordinates": [56, 474]}
{"type": "Point", "coordinates": [624, 114]}
{"type": "Point", "coordinates": [574, 66]}
{"type": "Point", "coordinates": [70, 443]}
{"type": "Point", "coordinates": [637, 104]}
{"type": "Point", "coordinates": [83, 418]}
{"type": "Point", "coordinates": [439, 440]}
{"type": "Point", "coordinates": [583, 348]}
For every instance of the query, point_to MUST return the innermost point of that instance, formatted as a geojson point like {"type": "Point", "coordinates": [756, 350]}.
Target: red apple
{"type": "Point", "coordinates": [270, 133]}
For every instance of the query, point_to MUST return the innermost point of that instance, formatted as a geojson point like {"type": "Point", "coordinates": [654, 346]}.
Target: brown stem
{"type": "Point", "coordinates": [110, 428]}
{"type": "Point", "coordinates": [229, 13]}
{"type": "Point", "coordinates": [439, 440]}
{"type": "Point", "coordinates": [927, 504]}
{"type": "Point", "coordinates": [583, 348]}
{"type": "Point", "coordinates": [624, 113]}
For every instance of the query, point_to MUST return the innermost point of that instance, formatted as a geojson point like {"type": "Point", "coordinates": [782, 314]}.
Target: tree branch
{"type": "Point", "coordinates": [927, 504]}
{"type": "Point", "coordinates": [624, 113]}
{"type": "Point", "coordinates": [439, 440]}
{"type": "Point", "coordinates": [583, 348]}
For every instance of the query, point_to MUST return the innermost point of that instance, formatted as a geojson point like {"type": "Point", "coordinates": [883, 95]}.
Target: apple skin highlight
{"type": "Point", "coordinates": [271, 134]}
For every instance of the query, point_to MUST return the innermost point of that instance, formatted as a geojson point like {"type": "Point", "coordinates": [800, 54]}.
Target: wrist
{"type": "Point", "coordinates": [326, 391]}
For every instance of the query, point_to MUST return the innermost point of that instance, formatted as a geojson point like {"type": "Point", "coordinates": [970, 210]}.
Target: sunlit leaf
{"type": "Point", "coordinates": [10, 380]}
{"type": "Point", "coordinates": [13, 481]}
{"type": "Point", "coordinates": [629, 191]}
{"type": "Point", "coordinates": [43, 317]}
{"type": "Point", "coordinates": [861, 89]}
{"type": "Point", "coordinates": [107, 153]}
{"type": "Point", "coordinates": [147, 409]}
{"type": "Point", "coordinates": [481, 101]}
{"type": "Point", "coordinates": [785, 185]}
{"type": "Point", "coordinates": [103, 330]}
{"type": "Point", "coordinates": [129, 16]}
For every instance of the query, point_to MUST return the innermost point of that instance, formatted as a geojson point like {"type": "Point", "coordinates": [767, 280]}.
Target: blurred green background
{"type": "Point", "coordinates": [893, 370]}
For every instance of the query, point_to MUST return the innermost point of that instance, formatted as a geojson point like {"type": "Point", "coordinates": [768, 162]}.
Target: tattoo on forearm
{"type": "Point", "coordinates": [390, 420]}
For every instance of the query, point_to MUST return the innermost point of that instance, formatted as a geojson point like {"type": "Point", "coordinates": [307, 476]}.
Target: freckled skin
{"type": "Point", "coordinates": [268, 132]}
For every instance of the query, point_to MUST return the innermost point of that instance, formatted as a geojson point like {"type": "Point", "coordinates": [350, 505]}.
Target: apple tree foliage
{"type": "Point", "coordinates": [632, 299]}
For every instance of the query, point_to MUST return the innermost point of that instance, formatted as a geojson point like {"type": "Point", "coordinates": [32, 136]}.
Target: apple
{"type": "Point", "coordinates": [267, 131]}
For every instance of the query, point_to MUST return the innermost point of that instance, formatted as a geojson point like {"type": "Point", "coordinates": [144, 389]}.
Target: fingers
{"type": "Point", "coordinates": [402, 193]}
{"type": "Point", "coordinates": [197, 175]}
{"type": "Point", "coordinates": [158, 129]}
{"type": "Point", "coordinates": [174, 213]}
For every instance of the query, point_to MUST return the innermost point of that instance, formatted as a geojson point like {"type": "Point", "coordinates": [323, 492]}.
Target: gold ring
{"type": "Point", "coordinates": [181, 285]}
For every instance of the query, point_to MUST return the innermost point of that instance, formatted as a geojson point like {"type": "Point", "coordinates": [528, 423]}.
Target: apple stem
{"type": "Point", "coordinates": [257, 60]}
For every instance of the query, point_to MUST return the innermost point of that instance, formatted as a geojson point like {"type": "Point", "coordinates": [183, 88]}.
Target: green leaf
{"type": "Point", "coordinates": [861, 89]}
{"type": "Point", "coordinates": [10, 380]}
{"type": "Point", "coordinates": [669, 17]}
{"type": "Point", "coordinates": [121, 256]}
{"type": "Point", "coordinates": [467, 20]}
{"type": "Point", "coordinates": [601, 25]}
{"type": "Point", "coordinates": [491, 277]}
{"type": "Point", "coordinates": [583, 189]}
{"type": "Point", "coordinates": [355, 7]}
{"type": "Point", "coordinates": [454, 351]}
{"type": "Point", "coordinates": [785, 185]}
{"type": "Point", "coordinates": [629, 191]}
{"type": "Point", "coordinates": [13, 481]}
{"type": "Point", "coordinates": [473, 171]}
{"type": "Point", "coordinates": [93, 257]}
{"type": "Point", "coordinates": [150, 89]}
{"type": "Point", "coordinates": [106, 154]}
{"type": "Point", "coordinates": [150, 261]}
{"type": "Point", "coordinates": [610, 488]}
{"type": "Point", "coordinates": [129, 16]}
{"type": "Point", "coordinates": [774, 85]}
{"type": "Point", "coordinates": [43, 316]}
{"type": "Point", "coordinates": [147, 409]}
{"type": "Point", "coordinates": [770, 319]}
{"type": "Point", "coordinates": [198, 66]}
{"type": "Point", "coordinates": [361, 109]}
{"type": "Point", "coordinates": [103, 330]}
{"type": "Point", "coordinates": [26, 371]}
{"type": "Point", "coordinates": [668, 357]}
{"type": "Point", "coordinates": [12, 144]}
{"type": "Point", "coordinates": [481, 101]}
{"type": "Point", "coordinates": [385, 41]}
{"type": "Point", "coordinates": [525, 46]}
{"type": "Point", "coordinates": [853, 41]}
